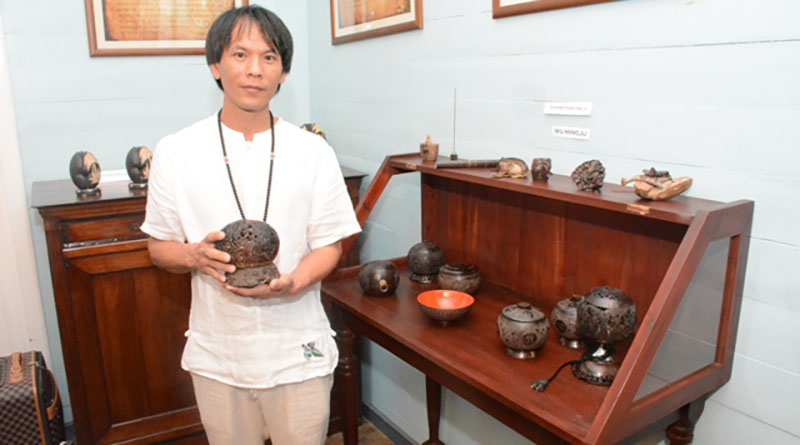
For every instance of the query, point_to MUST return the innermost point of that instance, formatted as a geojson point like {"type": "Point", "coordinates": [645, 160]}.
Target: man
{"type": "Point", "coordinates": [261, 359]}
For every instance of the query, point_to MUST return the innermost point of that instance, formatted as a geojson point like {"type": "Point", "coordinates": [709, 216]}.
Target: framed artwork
{"type": "Point", "coordinates": [362, 19]}
{"type": "Point", "coordinates": [150, 27]}
{"type": "Point", "coordinates": [505, 8]}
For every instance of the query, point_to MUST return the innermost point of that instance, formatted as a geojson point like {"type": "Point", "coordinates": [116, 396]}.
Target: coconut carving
{"type": "Point", "coordinates": [657, 185]}
{"type": "Point", "coordinates": [252, 245]}
{"type": "Point", "coordinates": [424, 261]}
{"type": "Point", "coordinates": [85, 173]}
{"type": "Point", "coordinates": [379, 278]}
{"type": "Point", "coordinates": [137, 163]}
{"type": "Point", "coordinates": [314, 128]}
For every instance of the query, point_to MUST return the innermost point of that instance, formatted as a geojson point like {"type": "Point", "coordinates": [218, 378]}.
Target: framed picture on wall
{"type": "Point", "coordinates": [505, 8]}
{"type": "Point", "coordinates": [149, 27]}
{"type": "Point", "coordinates": [361, 19]}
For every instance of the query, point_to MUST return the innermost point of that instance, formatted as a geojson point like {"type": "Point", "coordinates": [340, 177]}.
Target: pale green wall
{"type": "Point", "coordinates": [703, 88]}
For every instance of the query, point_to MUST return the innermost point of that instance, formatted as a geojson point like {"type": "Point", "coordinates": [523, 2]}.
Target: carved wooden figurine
{"type": "Point", "coordinates": [429, 150]}
{"type": "Point", "coordinates": [657, 185]}
{"type": "Point", "coordinates": [511, 168]}
{"type": "Point", "coordinates": [540, 169]}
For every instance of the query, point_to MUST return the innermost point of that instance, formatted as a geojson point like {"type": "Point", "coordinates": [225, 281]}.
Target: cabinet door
{"type": "Point", "coordinates": [131, 318]}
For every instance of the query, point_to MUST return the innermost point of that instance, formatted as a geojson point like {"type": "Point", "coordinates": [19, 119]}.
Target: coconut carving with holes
{"type": "Point", "coordinates": [252, 245]}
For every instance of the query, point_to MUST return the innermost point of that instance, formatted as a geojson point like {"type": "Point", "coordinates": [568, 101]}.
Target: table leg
{"type": "Point", "coordinates": [682, 431]}
{"type": "Point", "coordinates": [349, 372]}
{"type": "Point", "coordinates": [433, 395]}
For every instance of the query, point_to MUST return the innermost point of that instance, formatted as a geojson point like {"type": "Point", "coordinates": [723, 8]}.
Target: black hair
{"type": "Point", "coordinates": [272, 29]}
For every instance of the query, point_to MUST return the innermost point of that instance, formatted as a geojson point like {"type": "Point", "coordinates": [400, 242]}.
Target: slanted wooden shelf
{"type": "Point", "coordinates": [542, 242]}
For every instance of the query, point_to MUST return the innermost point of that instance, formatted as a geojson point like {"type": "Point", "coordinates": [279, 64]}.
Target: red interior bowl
{"type": "Point", "coordinates": [445, 306]}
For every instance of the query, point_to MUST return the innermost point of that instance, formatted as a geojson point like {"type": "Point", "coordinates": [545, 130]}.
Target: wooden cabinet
{"type": "Point", "coordinates": [121, 320]}
{"type": "Point", "coordinates": [681, 261]}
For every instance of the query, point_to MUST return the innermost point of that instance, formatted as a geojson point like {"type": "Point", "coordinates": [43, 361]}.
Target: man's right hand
{"type": "Point", "coordinates": [177, 257]}
{"type": "Point", "coordinates": [203, 256]}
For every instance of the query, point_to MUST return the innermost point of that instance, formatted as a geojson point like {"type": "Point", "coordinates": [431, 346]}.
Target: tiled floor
{"type": "Point", "coordinates": [367, 435]}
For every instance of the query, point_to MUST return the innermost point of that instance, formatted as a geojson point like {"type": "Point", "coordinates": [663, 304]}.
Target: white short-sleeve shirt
{"type": "Point", "coordinates": [238, 340]}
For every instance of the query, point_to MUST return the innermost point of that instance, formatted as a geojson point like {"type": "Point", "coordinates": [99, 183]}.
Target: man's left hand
{"type": "Point", "coordinates": [283, 285]}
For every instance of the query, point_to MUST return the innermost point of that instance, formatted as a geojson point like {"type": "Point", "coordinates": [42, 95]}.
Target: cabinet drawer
{"type": "Point", "coordinates": [124, 227]}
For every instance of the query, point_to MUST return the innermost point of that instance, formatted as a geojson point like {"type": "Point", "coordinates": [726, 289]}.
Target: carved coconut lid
{"type": "Point", "coordinates": [607, 297]}
{"type": "Point", "coordinates": [250, 243]}
{"type": "Point", "coordinates": [523, 312]}
{"type": "Point", "coordinates": [459, 269]}
{"type": "Point", "coordinates": [570, 303]}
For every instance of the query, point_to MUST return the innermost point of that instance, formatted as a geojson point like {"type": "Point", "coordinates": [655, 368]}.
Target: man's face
{"type": "Point", "coordinates": [250, 70]}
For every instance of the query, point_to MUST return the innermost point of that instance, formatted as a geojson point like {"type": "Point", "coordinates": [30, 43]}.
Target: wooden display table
{"type": "Point", "coordinates": [122, 320]}
{"type": "Point", "coordinates": [542, 242]}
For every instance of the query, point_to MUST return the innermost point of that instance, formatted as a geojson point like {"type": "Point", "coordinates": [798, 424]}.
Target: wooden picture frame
{"type": "Point", "coordinates": [506, 8]}
{"type": "Point", "coordinates": [350, 21]}
{"type": "Point", "coordinates": [134, 28]}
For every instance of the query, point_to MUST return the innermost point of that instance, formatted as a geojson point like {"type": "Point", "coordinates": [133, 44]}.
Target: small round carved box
{"type": "Point", "coordinates": [565, 322]}
{"type": "Point", "coordinates": [424, 261]}
{"type": "Point", "coordinates": [379, 278]}
{"type": "Point", "coordinates": [523, 329]}
{"type": "Point", "coordinates": [252, 246]}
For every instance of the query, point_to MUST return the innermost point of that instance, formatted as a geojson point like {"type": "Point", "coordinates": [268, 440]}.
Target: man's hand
{"type": "Point", "coordinates": [283, 285]}
{"type": "Point", "coordinates": [204, 257]}
{"type": "Point", "coordinates": [177, 257]}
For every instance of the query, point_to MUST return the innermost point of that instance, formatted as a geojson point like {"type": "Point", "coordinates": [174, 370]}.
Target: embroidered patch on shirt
{"type": "Point", "coordinates": [309, 350]}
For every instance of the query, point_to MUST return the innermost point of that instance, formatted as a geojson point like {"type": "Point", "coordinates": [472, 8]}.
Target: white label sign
{"type": "Point", "coordinates": [571, 132]}
{"type": "Point", "coordinates": [568, 108]}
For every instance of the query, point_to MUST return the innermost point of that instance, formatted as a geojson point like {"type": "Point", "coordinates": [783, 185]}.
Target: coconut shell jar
{"type": "Point", "coordinates": [424, 261]}
{"type": "Point", "coordinates": [378, 278]}
{"type": "Point", "coordinates": [460, 277]}
{"type": "Point", "coordinates": [607, 316]}
{"type": "Point", "coordinates": [565, 322]}
{"type": "Point", "coordinates": [252, 245]}
{"type": "Point", "coordinates": [523, 329]}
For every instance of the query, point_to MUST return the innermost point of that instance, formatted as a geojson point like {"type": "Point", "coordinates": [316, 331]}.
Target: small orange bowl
{"type": "Point", "coordinates": [445, 306]}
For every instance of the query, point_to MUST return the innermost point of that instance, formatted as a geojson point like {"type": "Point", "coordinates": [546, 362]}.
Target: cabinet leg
{"type": "Point", "coordinates": [433, 396]}
{"type": "Point", "coordinates": [682, 431]}
{"type": "Point", "coordinates": [349, 373]}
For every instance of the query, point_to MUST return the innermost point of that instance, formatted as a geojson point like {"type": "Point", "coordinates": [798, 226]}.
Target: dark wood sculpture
{"type": "Point", "coordinates": [543, 242]}
{"type": "Point", "coordinates": [589, 175]}
{"type": "Point", "coordinates": [540, 169]}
